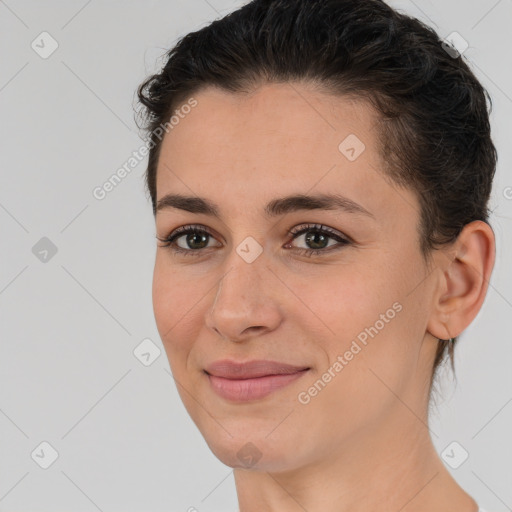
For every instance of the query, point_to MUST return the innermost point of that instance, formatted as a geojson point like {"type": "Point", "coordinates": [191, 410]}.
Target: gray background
{"type": "Point", "coordinates": [69, 325]}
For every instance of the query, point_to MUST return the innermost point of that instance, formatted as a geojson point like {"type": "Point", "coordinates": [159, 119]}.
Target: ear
{"type": "Point", "coordinates": [465, 273]}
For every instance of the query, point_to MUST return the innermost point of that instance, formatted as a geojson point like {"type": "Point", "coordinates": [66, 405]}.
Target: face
{"type": "Point", "coordinates": [340, 290]}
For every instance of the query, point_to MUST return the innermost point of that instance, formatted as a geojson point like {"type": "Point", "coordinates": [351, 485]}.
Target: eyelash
{"type": "Point", "coordinates": [299, 230]}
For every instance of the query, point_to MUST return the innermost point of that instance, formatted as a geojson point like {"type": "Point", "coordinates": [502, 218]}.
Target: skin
{"type": "Point", "coordinates": [362, 443]}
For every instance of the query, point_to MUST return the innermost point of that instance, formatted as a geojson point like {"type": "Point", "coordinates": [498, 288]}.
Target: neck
{"type": "Point", "coordinates": [392, 465]}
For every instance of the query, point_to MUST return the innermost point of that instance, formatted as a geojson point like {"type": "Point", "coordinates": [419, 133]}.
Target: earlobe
{"type": "Point", "coordinates": [465, 273]}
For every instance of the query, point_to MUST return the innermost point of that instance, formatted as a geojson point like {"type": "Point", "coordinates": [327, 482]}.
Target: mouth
{"type": "Point", "coordinates": [230, 369]}
{"type": "Point", "coordinates": [242, 382]}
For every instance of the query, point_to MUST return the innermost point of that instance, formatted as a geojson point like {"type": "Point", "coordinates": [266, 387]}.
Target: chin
{"type": "Point", "coordinates": [255, 452]}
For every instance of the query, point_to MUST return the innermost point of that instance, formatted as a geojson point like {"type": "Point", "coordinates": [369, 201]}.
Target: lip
{"type": "Point", "coordinates": [251, 380]}
{"type": "Point", "coordinates": [229, 369]}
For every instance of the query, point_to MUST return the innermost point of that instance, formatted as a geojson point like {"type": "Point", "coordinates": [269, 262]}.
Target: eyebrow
{"type": "Point", "coordinates": [274, 208]}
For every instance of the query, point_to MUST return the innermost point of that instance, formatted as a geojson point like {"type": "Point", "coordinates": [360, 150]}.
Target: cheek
{"type": "Point", "coordinates": [368, 361]}
{"type": "Point", "coordinates": [377, 334]}
{"type": "Point", "coordinates": [364, 317]}
{"type": "Point", "coordinates": [164, 300]}
{"type": "Point", "coordinates": [173, 304]}
{"type": "Point", "coordinates": [345, 302]}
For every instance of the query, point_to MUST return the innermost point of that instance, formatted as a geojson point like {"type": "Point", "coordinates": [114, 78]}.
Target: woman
{"type": "Point", "coordinates": [319, 173]}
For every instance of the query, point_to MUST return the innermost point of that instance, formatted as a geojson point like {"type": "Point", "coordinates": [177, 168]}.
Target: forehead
{"type": "Point", "coordinates": [287, 120]}
{"type": "Point", "coordinates": [277, 140]}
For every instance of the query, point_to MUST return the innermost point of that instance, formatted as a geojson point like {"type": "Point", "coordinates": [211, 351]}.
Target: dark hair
{"type": "Point", "coordinates": [434, 132]}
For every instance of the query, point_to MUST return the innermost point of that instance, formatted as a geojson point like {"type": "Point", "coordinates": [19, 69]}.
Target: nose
{"type": "Point", "coordinates": [245, 305]}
